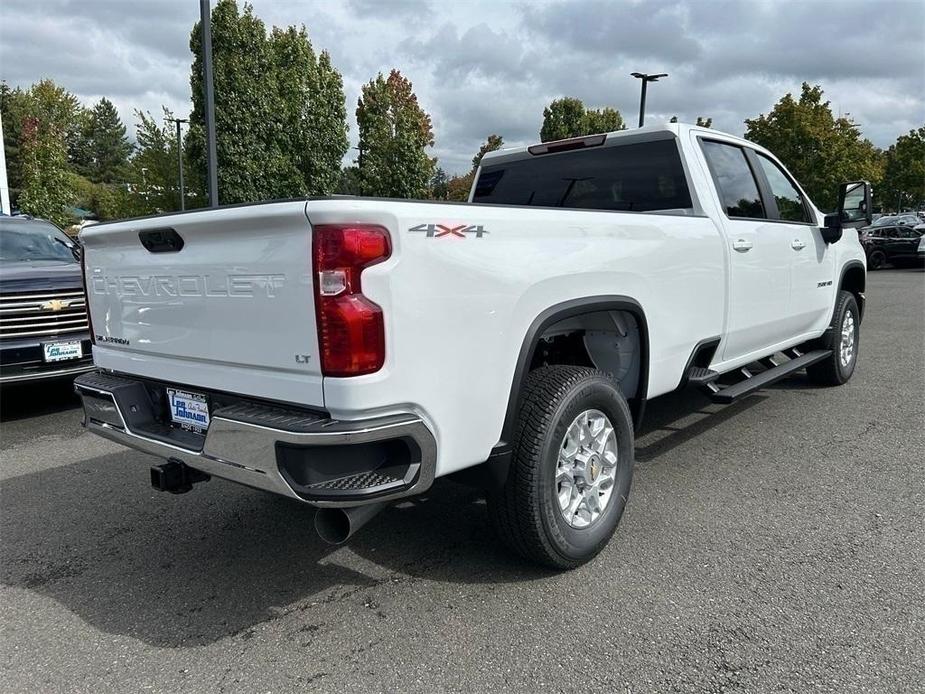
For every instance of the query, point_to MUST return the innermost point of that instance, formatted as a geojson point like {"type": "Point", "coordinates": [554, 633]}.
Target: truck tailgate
{"type": "Point", "coordinates": [232, 309]}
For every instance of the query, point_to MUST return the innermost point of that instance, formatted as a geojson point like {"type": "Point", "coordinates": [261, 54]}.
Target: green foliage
{"type": "Point", "coordinates": [280, 115]}
{"type": "Point", "coordinates": [459, 187]}
{"type": "Point", "coordinates": [49, 118]}
{"type": "Point", "coordinates": [349, 182]}
{"type": "Point", "coordinates": [903, 184]}
{"type": "Point", "coordinates": [47, 189]}
{"type": "Point", "coordinates": [605, 120]}
{"type": "Point", "coordinates": [152, 175]}
{"type": "Point", "coordinates": [820, 150]}
{"type": "Point", "coordinates": [313, 123]}
{"type": "Point", "coordinates": [568, 117]}
{"type": "Point", "coordinates": [13, 109]}
{"type": "Point", "coordinates": [439, 185]}
{"type": "Point", "coordinates": [104, 148]}
{"type": "Point", "coordinates": [394, 135]}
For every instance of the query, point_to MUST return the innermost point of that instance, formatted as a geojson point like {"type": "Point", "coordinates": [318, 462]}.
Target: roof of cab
{"type": "Point", "coordinates": [644, 133]}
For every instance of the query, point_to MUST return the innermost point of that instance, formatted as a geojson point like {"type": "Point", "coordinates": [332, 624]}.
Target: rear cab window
{"type": "Point", "coordinates": [634, 177]}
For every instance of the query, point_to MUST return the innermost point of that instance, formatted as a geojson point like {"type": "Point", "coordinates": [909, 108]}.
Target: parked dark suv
{"type": "Point", "coordinates": [44, 331]}
{"type": "Point", "coordinates": [893, 240]}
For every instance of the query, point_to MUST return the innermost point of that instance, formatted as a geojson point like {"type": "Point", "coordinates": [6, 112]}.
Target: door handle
{"type": "Point", "coordinates": [742, 245]}
{"type": "Point", "coordinates": [797, 245]}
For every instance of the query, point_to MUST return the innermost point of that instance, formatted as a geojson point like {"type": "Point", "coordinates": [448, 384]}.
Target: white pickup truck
{"type": "Point", "coordinates": [346, 352]}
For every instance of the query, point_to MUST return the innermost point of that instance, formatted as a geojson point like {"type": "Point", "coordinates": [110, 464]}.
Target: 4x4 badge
{"type": "Point", "coordinates": [435, 231]}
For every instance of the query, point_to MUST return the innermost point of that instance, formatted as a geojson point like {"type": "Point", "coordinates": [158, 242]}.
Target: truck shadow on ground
{"type": "Point", "coordinates": [22, 400]}
{"type": "Point", "coordinates": [180, 571]}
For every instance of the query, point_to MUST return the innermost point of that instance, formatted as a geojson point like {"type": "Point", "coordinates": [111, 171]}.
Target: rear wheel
{"type": "Point", "coordinates": [842, 338]}
{"type": "Point", "coordinates": [571, 470]}
{"type": "Point", "coordinates": [876, 260]}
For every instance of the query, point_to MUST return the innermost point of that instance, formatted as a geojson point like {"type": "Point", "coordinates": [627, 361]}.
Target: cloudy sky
{"type": "Point", "coordinates": [489, 66]}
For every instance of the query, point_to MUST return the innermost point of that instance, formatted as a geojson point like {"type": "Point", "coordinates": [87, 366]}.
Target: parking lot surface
{"type": "Point", "coordinates": [777, 544]}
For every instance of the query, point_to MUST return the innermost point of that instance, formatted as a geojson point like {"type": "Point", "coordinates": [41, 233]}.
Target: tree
{"type": "Point", "coordinates": [105, 147]}
{"type": "Point", "coordinates": [605, 120]}
{"type": "Point", "coordinates": [280, 113]}
{"type": "Point", "coordinates": [904, 172]}
{"type": "Point", "coordinates": [438, 185]}
{"type": "Point", "coordinates": [820, 150]}
{"type": "Point", "coordinates": [313, 123]}
{"type": "Point", "coordinates": [250, 163]}
{"type": "Point", "coordinates": [47, 189]}
{"type": "Point", "coordinates": [567, 117]}
{"type": "Point", "coordinates": [13, 109]}
{"type": "Point", "coordinates": [395, 133]}
{"type": "Point", "coordinates": [153, 170]}
{"type": "Point", "coordinates": [49, 119]}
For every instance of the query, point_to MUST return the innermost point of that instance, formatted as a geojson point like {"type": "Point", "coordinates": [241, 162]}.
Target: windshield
{"type": "Point", "coordinates": [23, 242]}
{"type": "Point", "coordinates": [885, 221]}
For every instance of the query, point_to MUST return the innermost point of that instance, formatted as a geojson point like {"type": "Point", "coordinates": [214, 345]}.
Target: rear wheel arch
{"type": "Point", "coordinates": [570, 312]}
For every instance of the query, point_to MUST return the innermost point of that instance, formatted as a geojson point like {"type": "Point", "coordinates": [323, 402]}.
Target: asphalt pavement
{"type": "Point", "coordinates": [777, 544]}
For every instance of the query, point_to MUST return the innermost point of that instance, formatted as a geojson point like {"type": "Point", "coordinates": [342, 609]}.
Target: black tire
{"type": "Point", "coordinates": [876, 260]}
{"type": "Point", "coordinates": [831, 371]}
{"type": "Point", "coordinates": [526, 513]}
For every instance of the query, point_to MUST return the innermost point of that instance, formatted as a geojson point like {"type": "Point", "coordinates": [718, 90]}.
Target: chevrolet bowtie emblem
{"type": "Point", "coordinates": [55, 305]}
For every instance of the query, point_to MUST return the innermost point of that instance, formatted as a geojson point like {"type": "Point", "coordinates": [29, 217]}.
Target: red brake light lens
{"type": "Point", "coordinates": [351, 329]}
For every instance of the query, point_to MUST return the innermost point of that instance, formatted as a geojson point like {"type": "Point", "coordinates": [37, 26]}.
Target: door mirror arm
{"type": "Point", "coordinates": [832, 228]}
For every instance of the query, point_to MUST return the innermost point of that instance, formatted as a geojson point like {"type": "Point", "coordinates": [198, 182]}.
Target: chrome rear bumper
{"type": "Point", "coordinates": [244, 443]}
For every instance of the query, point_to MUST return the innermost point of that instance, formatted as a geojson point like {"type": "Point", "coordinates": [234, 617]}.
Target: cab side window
{"type": "Point", "coordinates": [790, 205]}
{"type": "Point", "coordinates": [734, 180]}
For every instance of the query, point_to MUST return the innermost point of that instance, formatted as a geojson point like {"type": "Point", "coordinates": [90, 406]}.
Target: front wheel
{"type": "Point", "coordinates": [842, 338]}
{"type": "Point", "coordinates": [571, 469]}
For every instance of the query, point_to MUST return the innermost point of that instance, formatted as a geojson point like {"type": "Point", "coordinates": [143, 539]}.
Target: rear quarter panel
{"type": "Point", "coordinates": [458, 305]}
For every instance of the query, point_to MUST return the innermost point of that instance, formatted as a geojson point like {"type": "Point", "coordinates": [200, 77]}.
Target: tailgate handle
{"type": "Point", "coordinates": [161, 240]}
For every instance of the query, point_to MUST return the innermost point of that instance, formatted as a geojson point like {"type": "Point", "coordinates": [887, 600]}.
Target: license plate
{"type": "Point", "coordinates": [188, 410]}
{"type": "Point", "coordinates": [62, 351]}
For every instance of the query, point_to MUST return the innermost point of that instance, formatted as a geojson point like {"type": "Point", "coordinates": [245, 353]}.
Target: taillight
{"type": "Point", "coordinates": [83, 276]}
{"type": "Point", "coordinates": [351, 330]}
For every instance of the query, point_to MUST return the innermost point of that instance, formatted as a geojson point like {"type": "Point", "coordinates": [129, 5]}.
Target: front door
{"type": "Point", "coordinates": [811, 260]}
{"type": "Point", "coordinates": [759, 251]}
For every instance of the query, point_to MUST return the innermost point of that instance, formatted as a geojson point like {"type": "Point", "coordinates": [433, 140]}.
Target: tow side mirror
{"type": "Point", "coordinates": [854, 210]}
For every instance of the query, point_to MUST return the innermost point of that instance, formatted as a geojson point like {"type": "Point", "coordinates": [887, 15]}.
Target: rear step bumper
{"type": "Point", "coordinates": [301, 455]}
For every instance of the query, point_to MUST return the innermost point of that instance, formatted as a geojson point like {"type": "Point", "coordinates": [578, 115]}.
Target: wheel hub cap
{"type": "Point", "coordinates": [586, 468]}
{"type": "Point", "coordinates": [846, 346]}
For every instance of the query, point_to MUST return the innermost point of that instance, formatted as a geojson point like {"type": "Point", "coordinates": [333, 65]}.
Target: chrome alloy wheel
{"type": "Point", "coordinates": [586, 468]}
{"type": "Point", "coordinates": [846, 346]}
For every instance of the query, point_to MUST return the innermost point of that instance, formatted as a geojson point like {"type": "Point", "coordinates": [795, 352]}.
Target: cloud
{"type": "Point", "coordinates": [482, 67]}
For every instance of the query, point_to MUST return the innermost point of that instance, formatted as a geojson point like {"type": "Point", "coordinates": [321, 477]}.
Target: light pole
{"type": "Point", "coordinates": [646, 78]}
{"type": "Point", "coordinates": [205, 19]}
{"type": "Point", "coordinates": [180, 160]}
